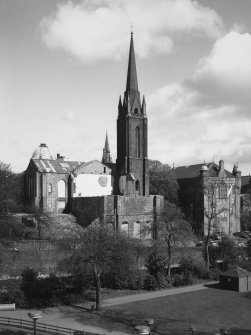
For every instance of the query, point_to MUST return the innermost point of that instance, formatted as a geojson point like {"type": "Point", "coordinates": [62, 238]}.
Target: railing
{"type": "Point", "coordinates": [40, 327]}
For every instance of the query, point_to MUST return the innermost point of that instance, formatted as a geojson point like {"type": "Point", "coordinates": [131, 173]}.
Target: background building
{"type": "Point", "coordinates": [195, 184]}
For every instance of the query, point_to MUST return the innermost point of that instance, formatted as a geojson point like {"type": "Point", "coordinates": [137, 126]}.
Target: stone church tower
{"type": "Point", "coordinates": [132, 162]}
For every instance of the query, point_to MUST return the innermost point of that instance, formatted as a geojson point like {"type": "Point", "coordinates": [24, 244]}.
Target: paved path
{"type": "Point", "coordinates": [155, 294]}
{"type": "Point", "coordinates": [76, 318]}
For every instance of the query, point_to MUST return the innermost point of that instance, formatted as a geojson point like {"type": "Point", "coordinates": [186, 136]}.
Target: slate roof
{"type": "Point", "coordinates": [193, 171]}
{"type": "Point", "coordinates": [236, 272]}
{"type": "Point", "coordinates": [245, 180]}
{"type": "Point", "coordinates": [112, 166]}
{"type": "Point", "coordinates": [55, 165]}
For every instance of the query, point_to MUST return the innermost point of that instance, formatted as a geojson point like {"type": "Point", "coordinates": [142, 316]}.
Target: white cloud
{"type": "Point", "coordinates": [98, 29]}
{"type": "Point", "coordinates": [225, 75]}
{"type": "Point", "coordinates": [207, 115]}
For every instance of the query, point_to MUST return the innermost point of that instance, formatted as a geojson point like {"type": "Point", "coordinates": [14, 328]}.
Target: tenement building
{"type": "Point", "coordinates": [210, 197]}
{"type": "Point", "coordinates": [118, 193]}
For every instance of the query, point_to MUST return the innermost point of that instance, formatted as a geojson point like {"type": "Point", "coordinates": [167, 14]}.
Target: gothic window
{"type": "Point", "coordinates": [137, 135]}
{"type": "Point", "coordinates": [137, 186]}
{"type": "Point", "coordinates": [136, 111]}
{"type": "Point", "coordinates": [61, 188]}
{"type": "Point", "coordinates": [222, 190]}
{"type": "Point", "coordinates": [49, 188]}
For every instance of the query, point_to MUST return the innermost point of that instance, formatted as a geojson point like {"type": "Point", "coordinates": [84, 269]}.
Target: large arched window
{"type": "Point", "coordinates": [137, 137]}
{"type": "Point", "coordinates": [61, 188]}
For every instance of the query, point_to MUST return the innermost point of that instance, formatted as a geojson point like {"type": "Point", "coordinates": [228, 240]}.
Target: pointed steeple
{"type": "Point", "coordinates": [106, 143]}
{"type": "Point", "coordinates": [144, 105]}
{"type": "Point", "coordinates": [132, 81]}
{"type": "Point", "coordinates": [106, 158]}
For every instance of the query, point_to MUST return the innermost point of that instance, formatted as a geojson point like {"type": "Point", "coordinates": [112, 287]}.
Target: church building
{"type": "Point", "coordinates": [116, 193]}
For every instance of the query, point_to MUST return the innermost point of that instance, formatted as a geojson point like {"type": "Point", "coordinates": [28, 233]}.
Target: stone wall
{"type": "Point", "coordinates": [134, 211]}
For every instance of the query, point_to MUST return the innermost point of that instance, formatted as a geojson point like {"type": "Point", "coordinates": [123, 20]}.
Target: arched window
{"type": "Point", "coordinates": [110, 226]}
{"type": "Point", "coordinates": [49, 188]}
{"type": "Point", "coordinates": [61, 188]}
{"type": "Point", "coordinates": [125, 228]}
{"type": "Point", "coordinates": [137, 137]}
{"type": "Point", "coordinates": [136, 111]}
{"type": "Point", "coordinates": [136, 230]}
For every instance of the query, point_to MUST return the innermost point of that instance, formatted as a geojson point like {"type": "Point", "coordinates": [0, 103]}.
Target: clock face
{"type": "Point", "coordinates": [103, 181]}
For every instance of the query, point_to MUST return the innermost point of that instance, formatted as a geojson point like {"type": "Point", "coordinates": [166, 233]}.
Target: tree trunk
{"type": "Point", "coordinates": [169, 263]}
{"type": "Point", "coordinates": [98, 293]}
{"type": "Point", "coordinates": [207, 255]}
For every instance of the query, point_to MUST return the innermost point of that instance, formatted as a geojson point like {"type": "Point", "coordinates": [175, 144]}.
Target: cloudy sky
{"type": "Point", "coordinates": [63, 66]}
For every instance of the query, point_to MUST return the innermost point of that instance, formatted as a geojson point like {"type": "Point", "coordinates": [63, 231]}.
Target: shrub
{"type": "Point", "coordinates": [182, 280]}
{"type": "Point", "coordinates": [194, 267]}
{"type": "Point", "coordinates": [150, 283]}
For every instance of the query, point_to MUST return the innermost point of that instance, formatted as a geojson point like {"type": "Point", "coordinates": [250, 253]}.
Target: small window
{"type": "Point", "coordinates": [137, 186]}
{"type": "Point", "coordinates": [125, 228]}
{"type": "Point", "coordinates": [49, 188]}
{"type": "Point", "coordinates": [104, 169]}
{"type": "Point", "coordinates": [136, 111]}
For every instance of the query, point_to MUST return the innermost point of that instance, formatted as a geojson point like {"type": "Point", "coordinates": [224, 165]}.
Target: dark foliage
{"type": "Point", "coordinates": [40, 292]}
{"type": "Point", "coordinates": [11, 189]}
{"type": "Point", "coordinates": [162, 181]}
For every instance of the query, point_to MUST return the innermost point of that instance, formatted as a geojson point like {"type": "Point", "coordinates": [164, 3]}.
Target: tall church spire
{"type": "Point", "coordinates": [132, 163]}
{"type": "Point", "coordinates": [132, 81]}
{"type": "Point", "coordinates": [106, 158]}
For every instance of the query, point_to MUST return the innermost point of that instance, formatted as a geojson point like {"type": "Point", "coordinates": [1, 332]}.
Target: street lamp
{"type": "Point", "coordinates": [35, 316]}
{"type": "Point", "coordinates": [143, 329]}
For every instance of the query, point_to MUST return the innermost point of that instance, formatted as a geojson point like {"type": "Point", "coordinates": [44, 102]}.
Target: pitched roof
{"type": "Point", "coordinates": [245, 180]}
{"type": "Point", "coordinates": [92, 167]}
{"type": "Point", "coordinates": [55, 165]}
{"type": "Point", "coordinates": [236, 272]}
{"type": "Point", "coordinates": [193, 171]}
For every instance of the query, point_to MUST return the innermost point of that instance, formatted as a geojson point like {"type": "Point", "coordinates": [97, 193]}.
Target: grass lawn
{"type": "Point", "coordinates": [207, 310]}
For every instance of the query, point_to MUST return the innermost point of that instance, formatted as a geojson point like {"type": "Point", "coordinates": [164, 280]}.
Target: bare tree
{"type": "Point", "coordinates": [212, 212]}
{"type": "Point", "coordinates": [40, 219]}
{"type": "Point", "coordinates": [99, 247]}
{"type": "Point", "coordinates": [172, 230]}
{"type": "Point", "coordinates": [5, 175]}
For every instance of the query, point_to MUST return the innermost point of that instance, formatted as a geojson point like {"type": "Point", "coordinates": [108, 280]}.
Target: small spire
{"type": "Point", "coordinates": [144, 105]}
{"type": "Point", "coordinates": [106, 158]}
{"type": "Point", "coordinates": [106, 143]}
{"type": "Point", "coordinates": [132, 81]}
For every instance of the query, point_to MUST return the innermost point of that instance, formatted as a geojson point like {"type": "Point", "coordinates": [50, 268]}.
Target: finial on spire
{"type": "Point", "coordinates": [131, 28]}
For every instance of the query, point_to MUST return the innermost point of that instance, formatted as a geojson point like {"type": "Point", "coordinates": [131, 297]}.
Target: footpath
{"type": "Point", "coordinates": [78, 318]}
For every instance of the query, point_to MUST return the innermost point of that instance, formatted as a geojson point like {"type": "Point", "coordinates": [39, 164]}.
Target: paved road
{"type": "Point", "coordinates": [75, 318]}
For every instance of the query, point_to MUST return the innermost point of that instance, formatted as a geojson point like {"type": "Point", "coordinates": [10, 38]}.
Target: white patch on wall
{"type": "Point", "coordinates": [91, 185]}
